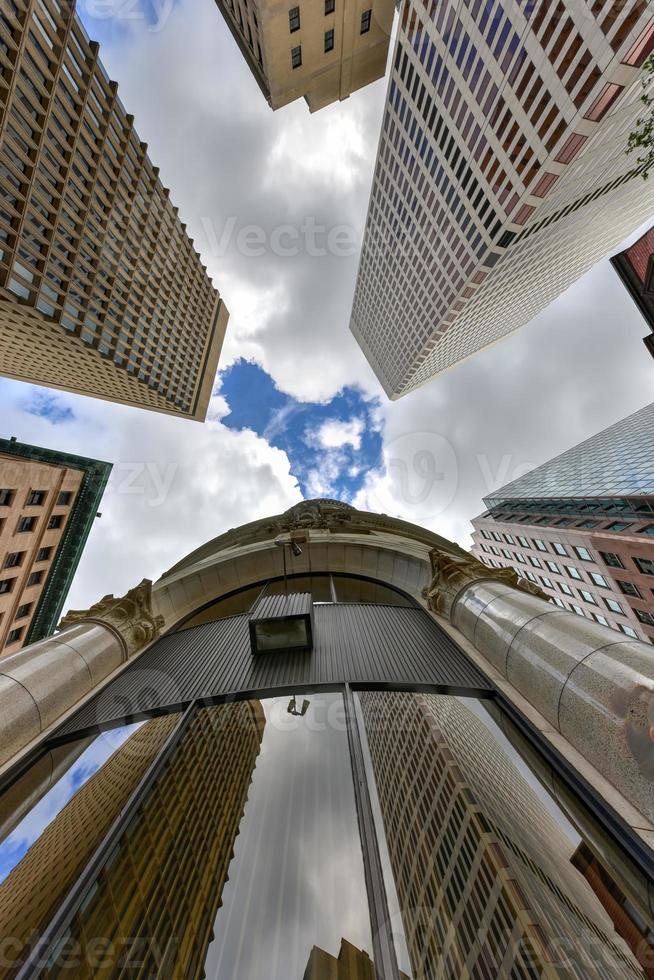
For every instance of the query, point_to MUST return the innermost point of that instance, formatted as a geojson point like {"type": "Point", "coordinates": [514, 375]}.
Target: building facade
{"type": "Point", "coordinates": [501, 173]}
{"type": "Point", "coordinates": [635, 266]}
{"type": "Point", "coordinates": [101, 290]}
{"type": "Point", "coordinates": [383, 801]}
{"type": "Point", "coordinates": [48, 502]}
{"type": "Point", "coordinates": [581, 527]}
{"type": "Point", "coordinates": [320, 52]}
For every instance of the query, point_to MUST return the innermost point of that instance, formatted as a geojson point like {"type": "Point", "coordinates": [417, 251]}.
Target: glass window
{"type": "Point", "coordinates": [296, 56]}
{"type": "Point", "coordinates": [599, 580]}
{"type": "Point", "coordinates": [34, 578]}
{"type": "Point", "coordinates": [366, 18]}
{"type": "Point", "coordinates": [43, 554]}
{"type": "Point", "coordinates": [23, 610]}
{"type": "Point", "coordinates": [6, 497]}
{"type": "Point", "coordinates": [565, 588]}
{"type": "Point", "coordinates": [26, 524]}
{"type": "Point", "coordinates": [547, 582]}
{"type": "Point", "coordinates": [330, 6]}
{"type": "Point", "coordinates": [628, 631]}
{"type": "Point", "coordinates": [611, 559]}
{"type": "Point", "coordinates": [553, 567]}
{"type": "Point", "coordinates": [630, 589]}
{"type": "Point", "coordinates": [486, 874]}
{"type": "Point", "coordinates": [614, 606]}
{"type": "Point", "coordinates": [523, 542]}
{"type": "Point", "coordinates": [540, 544]}
{"type": "Point", "coordinates": [55, 522]}
{"type": "Point", "coordinates": [13, 636]}
{"type": "Point", "coordinates": [535, 561]}
{"type": "Point", "coordinates": [645, 565]}
{"type": "Point", "coordinates": [245, 851]}
{"type": "Point", "coordinates": [617, 526]}
{"type": "Point", "coordinates": [360, 590]}
{"type": "Point", "coordinates": [294, 19]}
{"type": "Point", "coordinates": [579, 611]}
{"type": "Point", "coordinates": [602, 620]}
{"type": "Point", "coordinates": [71, 794]}
{"type": "Point", "coordinates": [329, 40]}
{"type": "Point", "coordinates": [588, 596]}
{"type": "Point", "coordinates": [14, 559]}
{"type": "Point", "coordinates": [6, 585]}
{"type": "Point", "coordinates": [559, 548]}
{"type": "Point", "coordinates": [584, 554]}
{"type": "Point", "coordinates": [35, 498]}
{"type": "Point", "coordinates": [645, 617]}
{"type": "Point", "coordinates": [573, 572]}
{"type": "Point", "coordinates": [649, 529]}
{"type": "Point", "coordinates": [64, 498]}
{"type": "Point", "coordinates": [559, 602]}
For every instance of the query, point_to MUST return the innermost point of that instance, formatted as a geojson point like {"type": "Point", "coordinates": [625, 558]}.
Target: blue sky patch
{"type": "Point", "coordinates": [331, 446]}
{"type": "Point", "coordinates": [49, 406]}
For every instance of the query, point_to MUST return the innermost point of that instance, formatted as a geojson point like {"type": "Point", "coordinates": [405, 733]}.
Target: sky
{"type": "Point", "coordinates": [297, 411]}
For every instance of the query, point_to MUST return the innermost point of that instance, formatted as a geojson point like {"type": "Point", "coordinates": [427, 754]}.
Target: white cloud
{"type": "Point", "coordinates": [334, 434]}
{"type": "Point", "coordinates": [175, 483]}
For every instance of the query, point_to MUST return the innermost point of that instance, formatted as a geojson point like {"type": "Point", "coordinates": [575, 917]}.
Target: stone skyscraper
{"type": "Point", "coordinates": [101, 290]}
{"type": "Point", "coordinates": [635, 266]}
{"type": "Point", "coordinates": [320, 51]}
{"type": "Point", "coordinates": [48, 503]}
{"type": "Point", "coordinates": [501, 174]}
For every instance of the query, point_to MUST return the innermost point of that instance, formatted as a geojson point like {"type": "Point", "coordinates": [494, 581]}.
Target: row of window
{"type": "Point", "coordinates": [26, 524]}
{"type": "Point", "coordinates": [644, 565]}
{"type": "Point", "coordinates": [35, 498]}
{"type": "Point", "coordinates": [294, 15]}
{"type": "Point", "coordinates": [294, 18]}
{"type": "Point", "coordinates": [7, 584]}
{"type": "Point", "coordinates": [15, 559]}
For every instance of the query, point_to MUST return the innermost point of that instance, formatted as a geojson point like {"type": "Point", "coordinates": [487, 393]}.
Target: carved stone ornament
{"type": "Point", "coordinates": [452, 573]}
{"type": "Point", "coordinates": [130, 616]}
{"type": "Point", "coordinates": [321, 514]}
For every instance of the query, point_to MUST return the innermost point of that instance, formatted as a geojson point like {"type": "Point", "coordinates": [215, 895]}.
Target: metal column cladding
{"type": "Point", "coordinates": [355, 643]}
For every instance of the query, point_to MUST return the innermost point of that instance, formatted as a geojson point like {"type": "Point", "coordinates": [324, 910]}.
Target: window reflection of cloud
{"type": "Point", "coordinates": [296, 879]}
{"type": "Point", "coordinates": [30, 828]}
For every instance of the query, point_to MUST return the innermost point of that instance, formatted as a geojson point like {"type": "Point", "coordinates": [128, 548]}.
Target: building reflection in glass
{"type": "Point", "coordinates": [53, 819]}
{"type": "Point", "coordinates": [490, 877]}
{"type": "Point", "coordinates": [296, 880]}
{"type": "Point", "coordinates": [243, 856]}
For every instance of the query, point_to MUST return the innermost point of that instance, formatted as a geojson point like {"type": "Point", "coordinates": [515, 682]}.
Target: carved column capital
{"type": "Point", "coordinates": [129, 616]}
{"type": "Point", "coordinates": [452, 573]}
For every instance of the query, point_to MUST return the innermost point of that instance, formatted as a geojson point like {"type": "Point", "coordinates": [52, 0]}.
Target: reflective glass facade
{"type": "Point", "coordinates": [617, 462]}
{"type": "Point", "coordinates": [233, 841]}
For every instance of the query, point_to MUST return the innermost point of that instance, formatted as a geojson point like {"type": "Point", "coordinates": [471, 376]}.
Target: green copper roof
{"type": "Point", "coordinates": [76, 531]}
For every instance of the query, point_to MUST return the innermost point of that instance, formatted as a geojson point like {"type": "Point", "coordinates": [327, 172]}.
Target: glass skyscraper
{"type": "Point", "coordinates": [581, 526]}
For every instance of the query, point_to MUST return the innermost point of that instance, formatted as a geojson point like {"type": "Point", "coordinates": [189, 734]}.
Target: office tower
{"type": "Point", "coordinates": [635, 266]}
{"type": "Point", "coordinates": [48, 502]}
{"type": "Point", "coordinates": [321, 51]}
{"type": "Point", "coordinates": [436, 831]}
{"type": "Point", "coordinates": [467, 832]}
{"type": "Point", "coordinates": [350, 964]}
{"type": "Point", "coordinates": [183, 840]}
{"type": "Point", "coordinates": [101, 290]}
{"type": "Point", "coordinates": [581, 526]}
{"type": "Point", "coordinates": [501, 173]}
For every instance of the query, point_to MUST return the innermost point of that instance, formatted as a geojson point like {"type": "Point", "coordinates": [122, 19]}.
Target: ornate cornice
{"type": "Point", "coordinates": [130, 616]}
{"type": "Point", "coordinates": [452, 573]}
{"type": "Point", "coordinates": [332, 515]}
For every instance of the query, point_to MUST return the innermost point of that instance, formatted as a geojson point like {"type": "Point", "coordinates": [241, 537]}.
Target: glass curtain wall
{"type": "Point", "coordinates": [229, 842]}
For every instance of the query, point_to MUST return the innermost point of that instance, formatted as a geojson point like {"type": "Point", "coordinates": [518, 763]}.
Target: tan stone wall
{"type": "Point", "coordinates": [22, 477]}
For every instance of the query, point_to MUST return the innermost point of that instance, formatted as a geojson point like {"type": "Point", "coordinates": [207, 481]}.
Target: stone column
{"type": "Point", "coordinates": [44, 680]}
{"type": "Point", "coordinates": [593, 685]}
